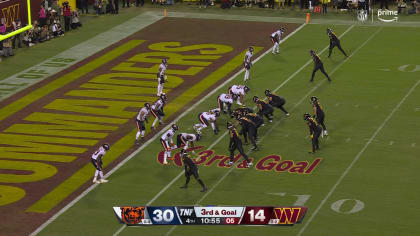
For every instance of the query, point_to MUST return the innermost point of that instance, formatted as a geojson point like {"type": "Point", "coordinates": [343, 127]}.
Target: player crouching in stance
{"type": "Point", "coordinates": [318, 65]}
{"type": "Point", "coordinates": [235, 143]}
{"type": "Point", "coordinates": [97, 163]}
{"type": "Point", "coordinates": [167, 143]}
{"type": "Point", "coordinates": [248, 62]}
{"type": "Point", "coordinates": [226, 99]}
{"type": "Point", "coordinates": [157, 110]}
{"type": "Point", "coordinates": [276, 101]}
{"type": "Point", "coordinates": [264, 109]}
{"type": "Point", "coordinates": [275, 38]}
{"type": "Point", "coordinates": [239, 91]}
{"type": "Point", "coordinates": [207, 118]}
{"type": "Point", "coordinates": [191, 169]}
{"type": "Point", "coordinates": [319, 113]}
{"type": "Point", "coordinates": [249, 128]}
{"type": "Point", "coordinates": [334, 41]}
{"type": "Point", "coordinates": [141, 118]}
{"type": "Point", "coordinates": [184, 139]}
{"type": "Point", "coordinates": [314, 131]}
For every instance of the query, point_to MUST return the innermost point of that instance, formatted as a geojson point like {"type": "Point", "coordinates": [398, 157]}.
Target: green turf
{"type": "Point", "coordinates": [358, 100]}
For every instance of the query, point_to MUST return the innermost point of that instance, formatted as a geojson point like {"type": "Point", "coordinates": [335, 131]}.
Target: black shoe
{"type": "Point", "coordinates": [216, 131]}
{"type": "Point", "coordinates": [203, 190]}
{"type": "Point", "coordinates": [311, 80]}
{"type": "Point", "coordinates": [185, 186]}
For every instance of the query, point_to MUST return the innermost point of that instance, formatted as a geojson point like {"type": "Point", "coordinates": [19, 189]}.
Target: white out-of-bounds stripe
{"type": "Point", "coordinates": [357, 157]}
{"type": "Point", "coordinates": [222, 136]}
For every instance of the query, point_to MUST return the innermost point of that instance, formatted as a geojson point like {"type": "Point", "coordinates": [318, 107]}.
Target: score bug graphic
{"type": "Point", "coordinates": [211, 215]}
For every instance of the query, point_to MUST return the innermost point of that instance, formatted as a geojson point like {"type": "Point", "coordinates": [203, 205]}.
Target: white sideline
{"type": "Point", "coordinates": [84, 193]}
{"type": "Point", "coordinates": [357, 157]}
{"type": "Point", "coordinates": [272, 127]}
{"type": "Point", "coordinates": [224, 134]}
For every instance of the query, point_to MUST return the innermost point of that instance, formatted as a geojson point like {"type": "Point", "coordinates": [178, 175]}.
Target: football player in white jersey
{"type": "Point", "coordinates": [206, 119]}
{"type": "Point", "coordinates": [226, 99]}
{"type": "Point", "coordinates": [239, 91]}
{"type": "Point", "coordinates": [167, 143]}
{"type": "Point", "coordinates": [275, 38]}
{"type": "Point", "coordinates": [140, 119]}
{"type": "Point", "coordinates": [97, 163]}
{"type": "Point", "coordinates": [161, 77]}
{"type": "Point", "coordinates": [184, 139]}
{"type": "Point", "coordinates": [248, 62]}
{"type": "Point", "coordinates": [157, 110]}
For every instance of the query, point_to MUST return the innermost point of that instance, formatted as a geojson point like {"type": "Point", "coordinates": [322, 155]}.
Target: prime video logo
{"type": "Point", "coordinates": [387, 13]}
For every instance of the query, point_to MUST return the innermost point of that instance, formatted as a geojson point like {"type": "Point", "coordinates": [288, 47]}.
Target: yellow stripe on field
{"type": "Point", "coordinates": [28, 99]}
{"type": "Point", "coordinates": [50, 200]}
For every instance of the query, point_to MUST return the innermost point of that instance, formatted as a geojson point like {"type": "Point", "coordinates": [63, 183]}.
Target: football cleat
{"type": "Point", "coordinates": [255, 148]}
{"type": "Point", "coordinates": [103, 181]}
{"type": "Point", "coordinates": [184, 186]}
{"type": "Point", "coordinates": [287, 114]}
{"type": "Point", "coordinates": [203, 190]}
{"type": "Point", "coordinates": [165, 162]}
{"type": "Point", "coordinates": [96, 181]}
{"type": "Point", "coordinates": [249, 164]}
{"type": "Point", "coordinates": [325, 132]}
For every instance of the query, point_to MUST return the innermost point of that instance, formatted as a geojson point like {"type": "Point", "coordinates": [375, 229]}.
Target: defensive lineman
{"type": "Point", "coordinates": [275, 38]}
{"type": "Point", "coordinates": [157, 110]}
{"type": "Point", "coordinates": [207, 118]}
{"type": "Point", "coordinates": [184, 139]}
{"type": "Point", "coordinates": [318, 65]}
{"type": "Point", "coordinates": [239, 91]}
{"type": "Point", "coordinates": [191, 169]}
{"type": "Point", "coordinates": [226, 99]}
{"type": "Point", "coordinates": [167, 143]}
{"type": "Point", "coordinates": [161, 76]}
{"type": "Point", "coordinates": [97, 163]}
{"type": "Point", "coordinates": [236, 143]}
{"type": "Point", "coordinates": [141, 118]}
{"type": "Point", "coordinates": [248, 62]}
{"type": "Point", "coordinates": [334, 41]}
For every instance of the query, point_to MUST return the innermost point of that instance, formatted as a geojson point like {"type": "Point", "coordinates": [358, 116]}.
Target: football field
{"type": "Point", "coordinates": [363, 180]}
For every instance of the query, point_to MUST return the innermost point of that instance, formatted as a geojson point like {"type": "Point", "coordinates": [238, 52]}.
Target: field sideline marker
{"type": "Point", "coordinates": [222, 136]}
{"type": "Point", "coordinates": [272, 127]}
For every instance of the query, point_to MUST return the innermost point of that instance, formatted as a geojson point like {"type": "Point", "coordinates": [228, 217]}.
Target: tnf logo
{"type": "Point", "coordinates": [11, 13]}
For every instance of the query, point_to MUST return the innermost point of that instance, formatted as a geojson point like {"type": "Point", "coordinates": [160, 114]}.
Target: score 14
{"type": "Point", "coordinates": [257, 215]}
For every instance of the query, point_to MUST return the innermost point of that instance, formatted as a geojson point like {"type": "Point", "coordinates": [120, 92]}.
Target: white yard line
{"type": "Point", "coordinates": [357, 157]}
{"type": "Point", "coordinates": [223, 135]}
{"type": "Point", "coordinates": [210, 190]}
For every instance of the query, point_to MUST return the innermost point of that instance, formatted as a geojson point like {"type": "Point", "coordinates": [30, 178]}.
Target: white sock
{"type": "Point", "coordinates": [142, 133]}
{"type": "Point", "coordinates": [96, 174]}
{"type": "Point", "coordinates": [137, 135]}
{"type": "Point", "coordinates": [154, 122]}
{"type": "Point", "coordinates": [246, 74]}
{"type": "Point", "coordinates": [165, 156]}
{"type": "Point", "coordinates": [101, 174]}
{"type": "Point", "coordinates": [169, 154]}
{"type": "Point", "coordinates": [212, 126]}
{"type": "Point", "coordinates": [274, 48]}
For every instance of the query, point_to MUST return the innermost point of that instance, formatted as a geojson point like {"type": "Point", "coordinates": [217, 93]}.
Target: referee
{"type": "Point", "coordinates": [191, 169]}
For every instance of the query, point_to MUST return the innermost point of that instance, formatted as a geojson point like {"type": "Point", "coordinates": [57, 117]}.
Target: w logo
{"type": "Point", "coordinates": [11, 13]}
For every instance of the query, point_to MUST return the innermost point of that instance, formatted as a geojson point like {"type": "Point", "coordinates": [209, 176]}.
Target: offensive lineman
{"type": "Point", "coordinates": [249, 128]}
{"type": "Point", "coordinates": [161, 76]}
{"type": "Point", "coordinates": [191, 169]}
{"type": "Point", "coordinates": [239, 91]}
{"type": "Point", "coordinates": [334, 41]}
{"type": "Point", "coordinates": [141, 118]}
{"type": "Point", "coordinates": [318, 65]}
{"type": "Point", "coordinates": [97, 163]}
{"type": "Point", "coordinates": [157, 110]}
{"type": "Point", "coordinates": [248, 62]}
{"type": "Point", "coordinates": [275, 38]}
{"type": "Point", "coordinates": [207, 118]}
{"type": "Point", "coordinates": [264, 108]}
{"type": "Point", "coordinates": [314, 131]}
{"type": "Point", "coordinates": [319, 113]}
{"type": "Point", "coordinates": [184, 139]}
{"type": "Point", "coordinates": [167, 143]}
{"type": "Point", "coordinates": [276, 101]}
{"type": "Point", "coordinates": [226, 99]}
{"type": "Point", "coordinates": [236, 143]}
